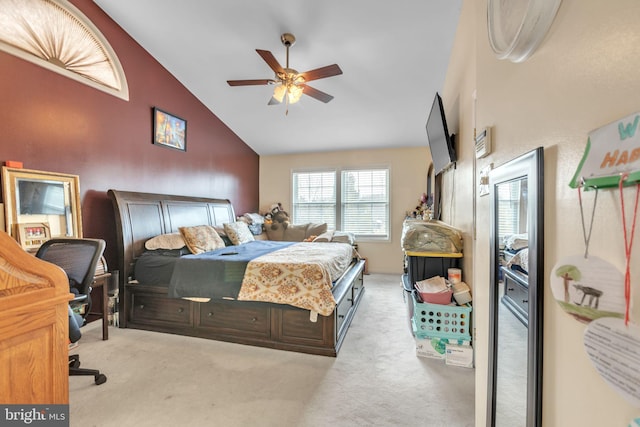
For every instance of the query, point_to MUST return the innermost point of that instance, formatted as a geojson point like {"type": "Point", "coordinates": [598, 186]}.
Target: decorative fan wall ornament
{"type": "Point", "coordinates": [56, 35]}
{"type": "Point", "coordinates": [517, 27]}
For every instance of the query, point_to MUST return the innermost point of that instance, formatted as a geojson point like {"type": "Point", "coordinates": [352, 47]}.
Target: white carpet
{"type": "Point", "coordinates": [376, 380]}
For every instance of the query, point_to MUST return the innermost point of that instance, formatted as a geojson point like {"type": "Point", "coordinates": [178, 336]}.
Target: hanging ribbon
{"type": "Point", "coordinates": [628, 244]}
{"type": "Point", "coordinates": [587, 236]}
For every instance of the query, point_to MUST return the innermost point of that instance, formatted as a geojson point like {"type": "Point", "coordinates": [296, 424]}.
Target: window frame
{"type": "Point", "coordinates": [308, 172]}
{"type": "Point", "coordinates": [338, 202]}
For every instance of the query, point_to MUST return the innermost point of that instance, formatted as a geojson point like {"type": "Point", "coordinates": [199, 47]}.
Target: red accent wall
{"type": "Point", "coordinates": [53, 123]}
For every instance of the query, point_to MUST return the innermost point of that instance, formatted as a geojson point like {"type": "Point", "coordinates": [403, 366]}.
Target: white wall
{"type": "Point", "coordinates": [408, 180]}
{"type": "Point", "coordinates": [584, 76]}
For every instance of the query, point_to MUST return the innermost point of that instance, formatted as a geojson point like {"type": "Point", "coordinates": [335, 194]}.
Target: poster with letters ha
{"type": "Point", "coordinates": [612, 151]}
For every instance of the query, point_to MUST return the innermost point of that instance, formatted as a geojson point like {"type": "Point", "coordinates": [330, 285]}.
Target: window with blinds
{"type": "Point", "coordinates": [362, 208]}
{"type": "Point", "coordinates": [365, 202]}
{"type": "Point", "coordinates": [512, 208]}
{"type": "Point", "coordinates": [314, 198]}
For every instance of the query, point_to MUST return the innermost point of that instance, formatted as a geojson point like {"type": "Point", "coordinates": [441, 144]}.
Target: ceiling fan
{"type": "Point", "coordinates": [290, 85]}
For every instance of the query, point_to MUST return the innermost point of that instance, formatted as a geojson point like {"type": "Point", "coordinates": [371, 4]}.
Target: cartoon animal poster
{"type": "Point", "coordinates": [588, 288]}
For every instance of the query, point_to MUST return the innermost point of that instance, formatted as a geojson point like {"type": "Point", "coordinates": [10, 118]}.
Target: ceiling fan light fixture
{"type": "Point", "coordinates": [294, 93]}
{"type": "Point", "coordinates": [279, 92]}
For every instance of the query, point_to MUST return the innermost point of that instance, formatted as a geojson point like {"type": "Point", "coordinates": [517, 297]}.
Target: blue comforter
{"type": "Point", "coordinates": [217, 274]}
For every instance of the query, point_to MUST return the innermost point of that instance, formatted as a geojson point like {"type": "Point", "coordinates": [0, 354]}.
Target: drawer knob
{"type": "Point", "coordinates": [341, 316]}
{"type": "Point", "coordinates": [210, 314]}
{"type": "Point", "coordinates": [525, 301]}
{"type": "Point", "coordinates": [141, 306]}
{"type": "Point", "coordinates": [181, 310]}
{"type": "Point", "coordinates": [511, 289]}
{"type": "Point", "coordinates": [254, 319]}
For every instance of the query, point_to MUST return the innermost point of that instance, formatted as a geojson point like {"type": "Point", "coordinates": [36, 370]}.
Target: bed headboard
{"type": "Point", "coordinates": [140, 216]}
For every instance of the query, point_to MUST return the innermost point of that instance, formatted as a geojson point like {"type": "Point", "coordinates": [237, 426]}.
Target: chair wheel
{"type": "Point", "coordinates": [100, 379]}
{"type": "Point", "coordinates": [75, 364]}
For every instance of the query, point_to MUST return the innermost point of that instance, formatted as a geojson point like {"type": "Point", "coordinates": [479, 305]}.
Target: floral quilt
{"type": "Point", "coordinates": [300, 275]}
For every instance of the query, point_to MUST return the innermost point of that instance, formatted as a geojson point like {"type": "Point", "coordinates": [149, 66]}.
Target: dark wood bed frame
{"type": "Point", "coordinates": [140, 216]}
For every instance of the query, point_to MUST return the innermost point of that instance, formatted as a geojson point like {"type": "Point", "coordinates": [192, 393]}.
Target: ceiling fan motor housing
{"type": "Point", "coordinates": [288, 39]}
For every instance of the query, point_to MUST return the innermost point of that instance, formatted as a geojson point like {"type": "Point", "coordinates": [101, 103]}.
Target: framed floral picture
{"type": "Point", "coordinates": [169, 130]}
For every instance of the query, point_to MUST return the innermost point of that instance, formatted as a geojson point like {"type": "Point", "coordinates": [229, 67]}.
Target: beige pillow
{"type": "Point", "coordinates": [324, 237]}
{"type": "Point", "coordinates": [201, 238]}
{"type": "Point", "coordinates": [300, 232]}
{"type": "Point", "coordinates": [238, 232]}
{"type": "Point", "coordinates": [316, 229]}
{"type": "Point", "coordinates": [275, 231]}
{"type": "Point", "coordinates": [165, 241]}
{"type": "Point", "coordinates": [295, 233]}
{"type": "Point", "coordinates": [344, 237]}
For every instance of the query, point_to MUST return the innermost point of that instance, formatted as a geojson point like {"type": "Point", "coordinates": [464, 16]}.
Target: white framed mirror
{"type": "Point", "coordinates": [48, 199]}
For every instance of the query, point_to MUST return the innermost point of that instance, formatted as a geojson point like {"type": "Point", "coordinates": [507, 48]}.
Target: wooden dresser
{"type": "Point", "coordinates": [34, 328]}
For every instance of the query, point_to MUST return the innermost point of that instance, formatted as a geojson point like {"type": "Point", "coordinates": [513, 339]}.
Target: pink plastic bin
{"type": "Point", "coordinates": [443, 298]}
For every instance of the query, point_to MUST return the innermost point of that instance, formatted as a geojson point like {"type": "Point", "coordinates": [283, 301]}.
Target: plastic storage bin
{"type": "Point", "coordinates": [441, 321]}
{"type": "Point", "coordinates": [442, 298]}
{"type": "Point", "coordinates": [434, 290]}
{"type": "Point", "coordinates": [407, 297]}
{"type": "Point", "coordinates": [424, 265]}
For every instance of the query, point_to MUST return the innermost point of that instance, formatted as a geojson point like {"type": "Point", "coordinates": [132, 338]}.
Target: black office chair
{"type": "Point", "coordinates": [78, 258]}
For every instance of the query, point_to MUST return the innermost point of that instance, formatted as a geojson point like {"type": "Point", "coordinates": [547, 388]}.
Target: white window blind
{"type": "Point", "coordinates": [314, 198]}
{"type": "Point", "coordinates": [510, 209]}
{"type": "Point", "coordinates": [365, 202]}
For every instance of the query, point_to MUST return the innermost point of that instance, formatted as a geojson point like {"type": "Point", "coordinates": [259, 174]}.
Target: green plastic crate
{"type": "Point", "coordinates": [441, 321]}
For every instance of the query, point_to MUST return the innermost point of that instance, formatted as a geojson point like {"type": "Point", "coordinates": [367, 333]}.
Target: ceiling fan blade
{"type": "Point", "coordinates": [321, 73]}
{"type": "Point", "coordinates": [271, 61]}
{"type": "Point", "coordinates": [273, 101]}
{"type": "Point", "coordinates": [315, 93]}
{"type": "Point", "coordinates": [256, 82]}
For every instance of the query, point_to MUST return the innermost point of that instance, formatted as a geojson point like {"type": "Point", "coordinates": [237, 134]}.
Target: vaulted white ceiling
{"type": "Point", "coordinates": [393, 54]}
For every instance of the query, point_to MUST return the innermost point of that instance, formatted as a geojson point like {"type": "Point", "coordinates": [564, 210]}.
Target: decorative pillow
{"type": "Point", "coordinates": [165, 241]}
{"type": "Point", "coordinates": [316, 229]}
{"type": "Point", "coordinates": [223, 235]}
{"type": "Point", "coordinates": [275, 232]}
{"type": "Point", "coordinates": [238, 232]}
{"type": "Point", "coordinates": [201, 238]}
{"type": "Point", "coordinates": [295, 233]}
{"type": "Point", "coordinates": [324, 237]}
{"type": "Point", "coordinates": [344, 237]}
{"type": "Point", "coordinates": [255, 229]}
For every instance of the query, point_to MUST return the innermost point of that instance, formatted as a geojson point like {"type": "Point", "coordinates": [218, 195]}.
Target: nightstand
{"type": "Point", "coordinates": [101, 287]}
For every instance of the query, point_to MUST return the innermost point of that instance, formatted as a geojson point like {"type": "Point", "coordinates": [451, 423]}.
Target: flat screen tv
{"type": "Point", "coordinates": [443, 152]}
{"type": "Point", "coordinates": [40, 198]}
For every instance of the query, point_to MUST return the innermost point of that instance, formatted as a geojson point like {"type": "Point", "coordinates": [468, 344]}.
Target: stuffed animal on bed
{"type": "Point", "coordinates": [276, 217]}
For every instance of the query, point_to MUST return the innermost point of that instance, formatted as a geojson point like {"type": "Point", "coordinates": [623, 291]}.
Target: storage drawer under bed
{"type": "Point", "coordinates": [152, 309]}
{"type": "Point", "coordinates": [242, 318]}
